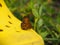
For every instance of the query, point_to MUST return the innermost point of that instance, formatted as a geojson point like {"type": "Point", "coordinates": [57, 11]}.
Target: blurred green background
{"type": "Point", "coordinates": [44, 16]}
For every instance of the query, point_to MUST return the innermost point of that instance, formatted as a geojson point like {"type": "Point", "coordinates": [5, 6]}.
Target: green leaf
{"type": "Point", "coordinates": [40, 22]}
{"type": "Point", "coordinates": [58, 27]}
{"type": "Point", "coordinates": [40, 10]}
{"type": "Point", "coordinates": [35, 12]}
{"type": "Point", "coordinates": [44, 34]}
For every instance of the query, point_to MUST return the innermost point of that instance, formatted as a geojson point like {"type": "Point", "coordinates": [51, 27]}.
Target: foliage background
{"type": "Point", "coordinates": [43, 14]}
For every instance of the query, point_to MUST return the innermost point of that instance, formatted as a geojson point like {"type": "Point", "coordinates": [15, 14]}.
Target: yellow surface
{"type": "Point", "coordinates": [12, 33]}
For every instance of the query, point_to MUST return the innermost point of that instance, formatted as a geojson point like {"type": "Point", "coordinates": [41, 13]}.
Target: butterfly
{"type": "Point", "coordinates": [25, 25]}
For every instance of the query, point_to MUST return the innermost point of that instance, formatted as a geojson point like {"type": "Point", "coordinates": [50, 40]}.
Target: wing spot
{"type": "Point", "coordinates": [1, 30]}
{"type": "Point", "coordinates": [9, 22]}
{"type": "Point", "coordinates": [7, 26]}
{"type": "Point", "coordinates": [0, 5]}
{"type": "Point", "coordinates": [9, 16]}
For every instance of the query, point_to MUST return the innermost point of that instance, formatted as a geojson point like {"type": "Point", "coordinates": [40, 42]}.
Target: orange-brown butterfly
{"type": "Point", "coordinates": [26, 23]}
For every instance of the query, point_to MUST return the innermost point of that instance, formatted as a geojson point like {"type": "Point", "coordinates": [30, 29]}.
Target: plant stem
{"type": "Point", "coordinates": [35, 24]}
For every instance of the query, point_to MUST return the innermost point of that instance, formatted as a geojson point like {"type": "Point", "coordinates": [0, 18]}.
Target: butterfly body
{"type": "Point", "coordinates": [25, 25]}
